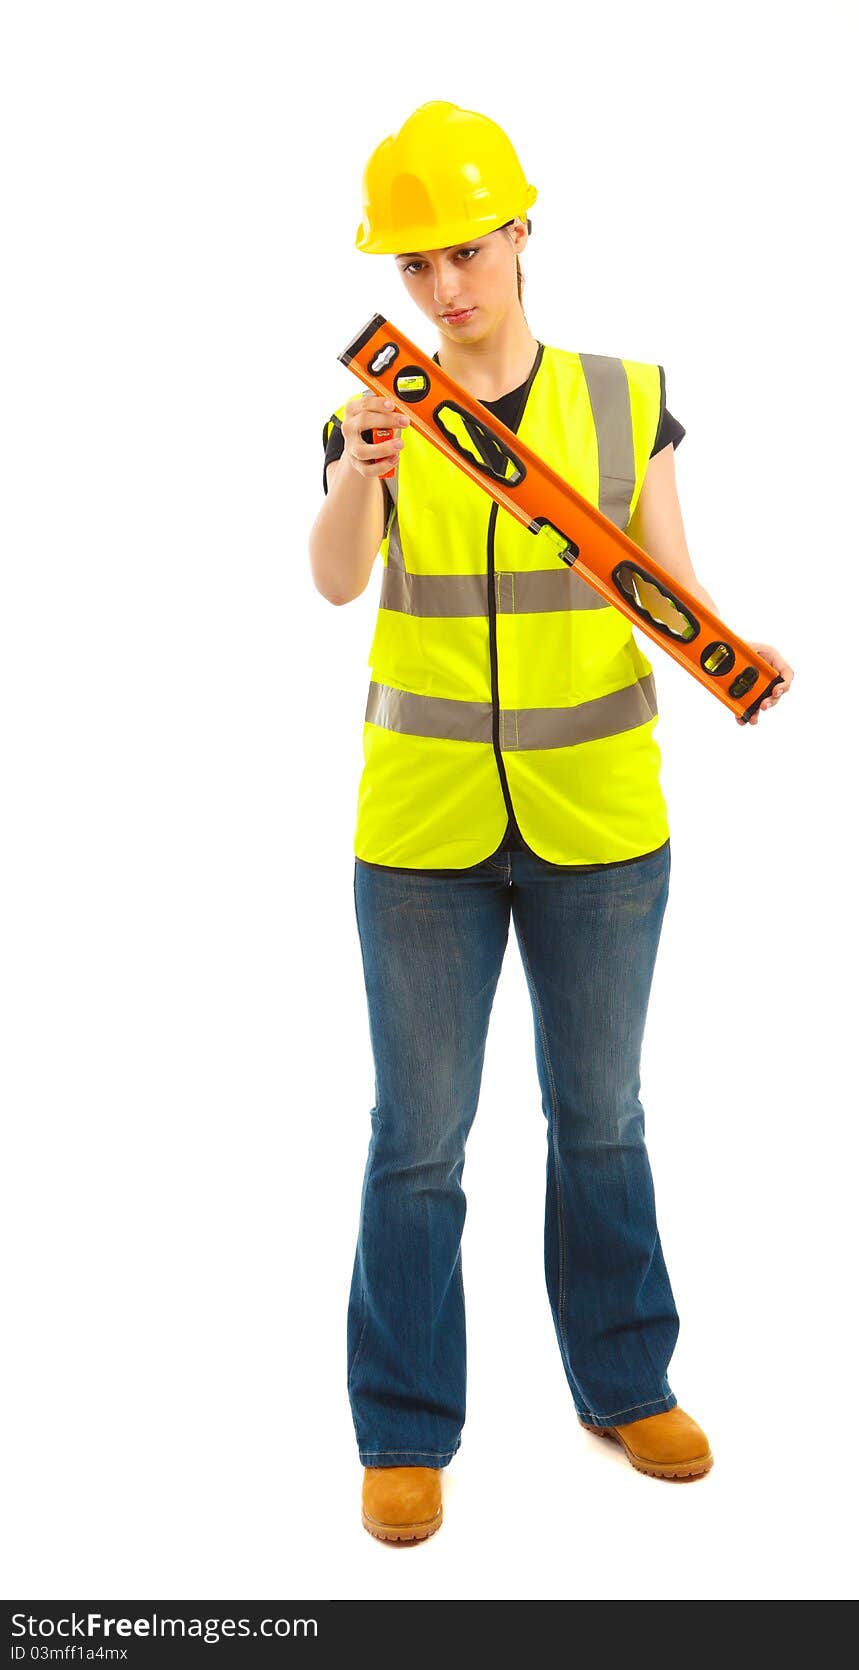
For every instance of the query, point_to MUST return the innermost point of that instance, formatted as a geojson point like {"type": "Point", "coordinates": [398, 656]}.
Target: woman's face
{"type": "Point", "coordinates": [479, 276]}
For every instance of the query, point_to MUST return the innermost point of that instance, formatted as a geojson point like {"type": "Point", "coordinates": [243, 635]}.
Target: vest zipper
{"type": "Point", "coordinates": [490, 576]}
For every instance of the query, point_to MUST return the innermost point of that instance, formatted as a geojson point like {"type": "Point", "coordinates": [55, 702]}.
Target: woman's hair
{"type": "Point", "coordinates": [520, 277]}
{"type": "Point", "coordinates": [520, 280]}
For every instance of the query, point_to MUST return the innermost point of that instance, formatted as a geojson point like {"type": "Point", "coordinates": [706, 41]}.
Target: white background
{"type": "Point", "coordinates": [187, 1074]}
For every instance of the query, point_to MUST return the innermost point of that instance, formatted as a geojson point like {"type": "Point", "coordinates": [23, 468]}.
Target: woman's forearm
{"type": "Point", "coordinates": [705, 598]}
{"type": "Point", "coordinates": [347, 533]}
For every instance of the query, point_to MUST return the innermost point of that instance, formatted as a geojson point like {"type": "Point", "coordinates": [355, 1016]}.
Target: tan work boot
{"type": "Point", "coordinates": [667, 1446]}
{"type": "Point", "coordinates": [401, 1504]}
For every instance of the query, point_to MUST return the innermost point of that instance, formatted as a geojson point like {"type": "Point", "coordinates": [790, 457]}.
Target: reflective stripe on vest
{"type": "Point", "coordinates": [528, 727]}
{"type": "Point", "coordinates": [501, 683]}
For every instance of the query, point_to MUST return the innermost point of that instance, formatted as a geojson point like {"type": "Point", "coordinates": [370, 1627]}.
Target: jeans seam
{"type": "Point", "coordinates": [666, 1397]}
{"type": "Point", "coordinates": [354, 1364]}
{"type": "Point", "coordinates": [351, 1372]}
{"type": "Point", "coordinates": [409, 1452]}
{"type": "Point", "coordinates": [562, 1257]}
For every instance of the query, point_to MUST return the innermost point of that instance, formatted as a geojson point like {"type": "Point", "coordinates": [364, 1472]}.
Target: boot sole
{"type": "Point", "coordinates": [694, 1468]}
{"type": "Point", "coordinates": [418, 1531]}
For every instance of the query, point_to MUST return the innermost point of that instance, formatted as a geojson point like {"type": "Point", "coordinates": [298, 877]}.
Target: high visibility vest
{"type": "Point", "coordinates": [501, 682]}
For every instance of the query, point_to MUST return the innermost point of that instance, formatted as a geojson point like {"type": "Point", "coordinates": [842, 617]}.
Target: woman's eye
{"type": "Point", "coordinates": [413, 264]}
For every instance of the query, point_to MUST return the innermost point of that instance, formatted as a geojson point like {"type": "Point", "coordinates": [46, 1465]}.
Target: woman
{"type": "Point", "coordinates": [510, 769]}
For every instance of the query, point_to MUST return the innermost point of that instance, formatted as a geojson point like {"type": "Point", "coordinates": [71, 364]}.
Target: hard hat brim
{"type": "Point", "coordinates": [439, 237]}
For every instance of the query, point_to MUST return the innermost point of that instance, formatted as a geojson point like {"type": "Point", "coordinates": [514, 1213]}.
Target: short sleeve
{"type": "Point", "coordinates": [669, 428]}
{"type": "Point", "coordinates": [332, 440]}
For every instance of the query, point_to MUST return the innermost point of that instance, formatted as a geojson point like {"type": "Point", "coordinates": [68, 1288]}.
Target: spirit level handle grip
{"type": "Point", "coordinates": [384, 435]}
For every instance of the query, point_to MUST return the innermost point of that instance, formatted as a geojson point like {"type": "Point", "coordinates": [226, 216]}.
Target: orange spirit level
{"type": "Point", "coordinates": [443, 412]}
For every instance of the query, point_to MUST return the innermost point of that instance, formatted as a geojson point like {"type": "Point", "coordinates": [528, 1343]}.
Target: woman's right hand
{"type": "Point", "coordinates": [361, 416]}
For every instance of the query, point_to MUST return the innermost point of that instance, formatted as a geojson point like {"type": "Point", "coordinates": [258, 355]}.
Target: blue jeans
{"type": "Point", "coordinates": [432, 948]}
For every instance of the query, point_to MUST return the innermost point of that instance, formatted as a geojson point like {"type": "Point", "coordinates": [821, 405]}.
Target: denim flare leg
{"type": "Point", "coordinates": [432, 948]}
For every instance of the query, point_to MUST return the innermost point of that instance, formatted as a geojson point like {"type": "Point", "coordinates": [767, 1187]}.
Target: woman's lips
{"type": "Point", "coordinates": [458, 318]}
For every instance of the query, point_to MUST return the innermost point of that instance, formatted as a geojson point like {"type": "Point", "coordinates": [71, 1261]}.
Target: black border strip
{"type": "Point", "coordinates": [363, 336]}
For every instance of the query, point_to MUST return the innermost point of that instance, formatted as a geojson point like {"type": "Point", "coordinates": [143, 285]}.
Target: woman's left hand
{"type": "Point", "coordinates": [781, 666]}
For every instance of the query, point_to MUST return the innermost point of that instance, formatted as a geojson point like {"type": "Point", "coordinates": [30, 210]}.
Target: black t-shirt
{"type": "Point", "coordinates": [506, 409]}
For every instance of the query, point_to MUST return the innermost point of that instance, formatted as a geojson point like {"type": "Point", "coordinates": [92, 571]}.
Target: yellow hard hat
{"type": "Point", "coordinates": [447, 175]}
